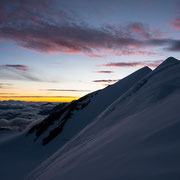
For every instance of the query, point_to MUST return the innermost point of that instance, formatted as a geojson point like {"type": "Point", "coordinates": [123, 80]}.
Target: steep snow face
{"type": "Point", "coordinates": [135, 138]}
{"type": "Point", "coordinates": [72, 118]}
{"type": "Point", "coordinates": [19, 154]}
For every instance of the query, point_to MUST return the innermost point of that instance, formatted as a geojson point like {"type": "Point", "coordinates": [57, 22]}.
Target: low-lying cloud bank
{"type": "Point", "coordinates": [18, 115]}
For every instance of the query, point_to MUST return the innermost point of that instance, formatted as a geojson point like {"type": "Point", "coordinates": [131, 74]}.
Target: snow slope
{"type": "Point", "coordinates": [75, 116]}
{"type": "Point", "coordinates": [19, 154]}
{"type": "Point", "coordinates": [135, 138]}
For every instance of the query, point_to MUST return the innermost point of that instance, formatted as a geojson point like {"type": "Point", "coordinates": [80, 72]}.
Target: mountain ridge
{"type": "Point", "coordinates": [119, 143]}
{"type": "Point", "coordinates": [74, 105]}
{"type": "Point", "coordinates": [120, 122]}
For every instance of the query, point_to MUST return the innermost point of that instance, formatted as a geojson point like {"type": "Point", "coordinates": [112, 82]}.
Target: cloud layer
{"type": "Point", "coordinates": [176, 24]}
{"type": "Point", "coordinates": [40, 26]}
{"type": "Point", "coordinates": [17, 115]}
{"type": "Point", "coordinates": [15, 66]}
{"type": "Point", "coordinates": [20, 72]}
{"type": "Point", "coordinates": [4, 85]}
{"type": "Point", "coordinates": [152, 64]}
{"type": "Point", "coordinates": [66, 90]}
{"type": "Point", "coordinates": [104, 72]}
{"type": "Point", "coordinates": [105, 81]}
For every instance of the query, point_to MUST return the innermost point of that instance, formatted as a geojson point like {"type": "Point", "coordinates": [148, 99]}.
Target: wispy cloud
{"type": "Point", "coordinates": [4, 85]}
{"type": "Point", "coordinates": [56, 31]}
{"type": "Point", "coordinates": [176, 24]}
{"type": "Point", "coordinates": [175, 46]}
{"type": "Point", "coordinates": [152, 64]}
{"type": "Point", "coordinates": [106, 81]}
{"type": "Point", "coordinates": [20, 72]}
{"type": "Point", "coordinates": [143, 31]}
{"type": "Point", "coordinates": [104, 72]}
{"type": "Point", "coordinates": [16, 66]}
{"type": "Point", "coordinates": [66, 90]}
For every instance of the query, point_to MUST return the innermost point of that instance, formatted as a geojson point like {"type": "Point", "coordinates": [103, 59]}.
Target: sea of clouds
{"type": "Point", "coordinates": [18, 115]}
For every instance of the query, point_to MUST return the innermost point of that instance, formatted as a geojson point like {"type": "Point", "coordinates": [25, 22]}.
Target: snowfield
{"type": "Point", "coordinates": [128, 131]}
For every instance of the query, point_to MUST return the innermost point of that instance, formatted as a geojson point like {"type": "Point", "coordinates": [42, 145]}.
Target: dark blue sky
{"type": "Point", "coordinates": [70, 47]}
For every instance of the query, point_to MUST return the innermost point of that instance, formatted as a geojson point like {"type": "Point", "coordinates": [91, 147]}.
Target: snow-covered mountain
{"type": "Point", "coordinates": [69, 120]}
{"type": "Point", "coordinates": [134, 138]}
{"type": "Point", "coordinates": [129, 130]}
{"type": "Point", "coordinates": [20, 154]}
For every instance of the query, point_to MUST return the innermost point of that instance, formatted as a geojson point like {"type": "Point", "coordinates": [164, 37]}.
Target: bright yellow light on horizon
{"type": "Point", "coordinates": [39, 99]}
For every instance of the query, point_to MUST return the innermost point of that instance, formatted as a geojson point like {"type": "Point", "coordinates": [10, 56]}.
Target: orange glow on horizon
{"type": "Point", "coordinates": [39, 99]}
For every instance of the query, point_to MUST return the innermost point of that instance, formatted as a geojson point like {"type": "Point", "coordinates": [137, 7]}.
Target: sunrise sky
{"type": "Point", "coordinates": [60, 50]}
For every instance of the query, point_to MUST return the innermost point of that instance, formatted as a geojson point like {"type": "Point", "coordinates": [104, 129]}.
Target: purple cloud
{"type": "Point", "coordinates": [39, 26]}
{"type": "Point", "coordinates": [176, 24]}
{"type": "Point", "coordinates": [20, 72]}
{"type": "Point", "coordinates": [105, 81]}
{"type": "Point", "coordinates": [152, 64]}
{"type": "Point", "coordinates": [143, 31]}
{"type": "Point", "coordinates": [175, 46]}
{"type": "Point", "coordinates": [16, 67]}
